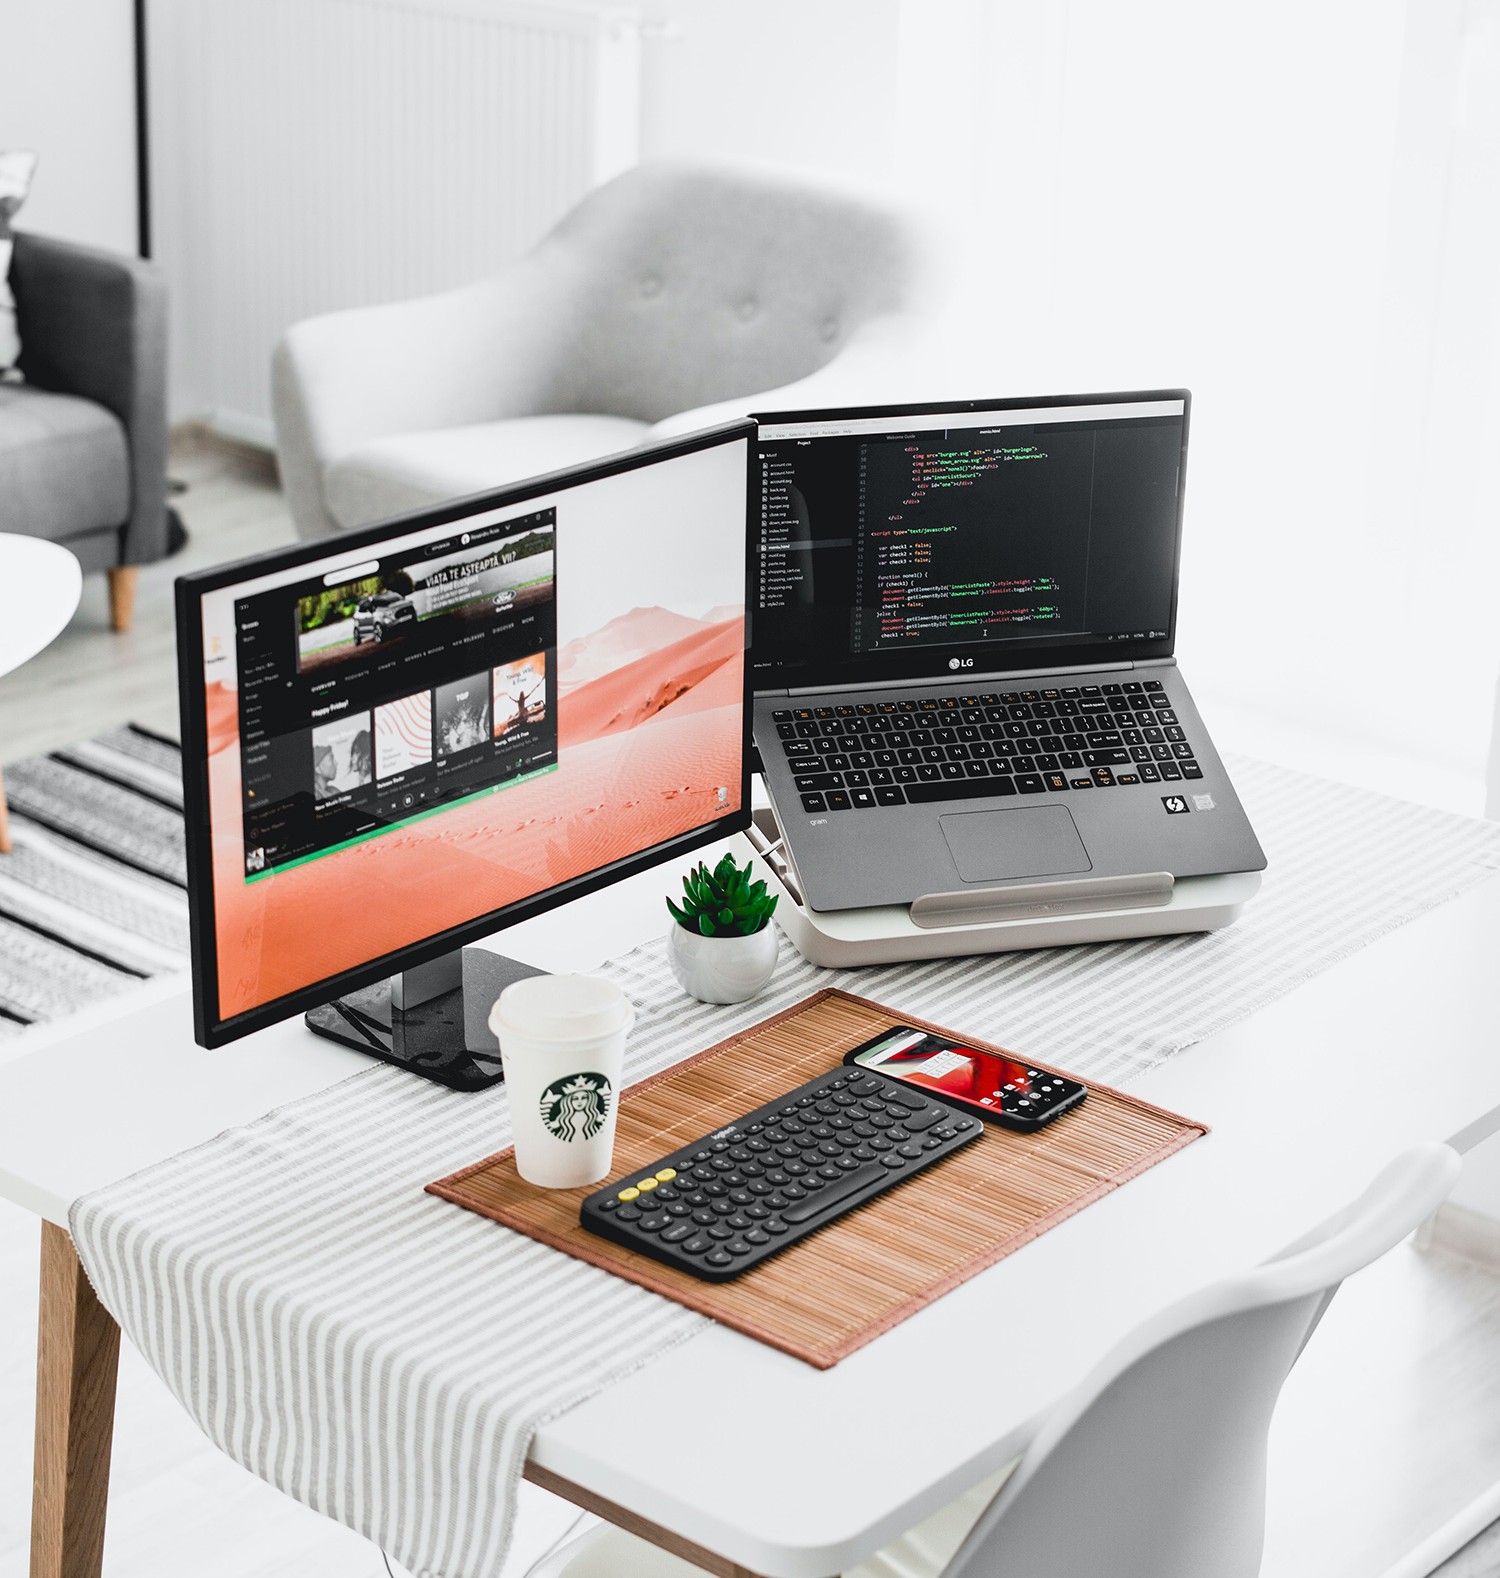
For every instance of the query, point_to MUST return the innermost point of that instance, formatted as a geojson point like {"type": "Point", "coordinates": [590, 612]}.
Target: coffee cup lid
{"type": "Point", "coordinates": [561, 1008]}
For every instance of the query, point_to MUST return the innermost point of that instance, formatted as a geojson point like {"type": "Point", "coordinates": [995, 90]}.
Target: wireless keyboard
{"type": "Point", "coordinates": [720, 1206]}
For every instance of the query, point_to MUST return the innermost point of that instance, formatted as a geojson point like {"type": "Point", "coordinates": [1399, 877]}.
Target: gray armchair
{"type": "Point", "coordinates": [671, 297]}
{"type": "Point", "coordinates": [83, 440]}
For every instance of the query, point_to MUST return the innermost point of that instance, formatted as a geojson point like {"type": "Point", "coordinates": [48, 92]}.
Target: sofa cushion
{"type": "Point", "coordinates": [15, 181]}
{"type": "Point", "coordinates": [64, 467]}
{"type": "Point", "coordinates": [415, 470]}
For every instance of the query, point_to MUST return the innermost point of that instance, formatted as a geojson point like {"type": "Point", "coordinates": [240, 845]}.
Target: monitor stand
{"type": "Point", "coordinates": [416, 1021]}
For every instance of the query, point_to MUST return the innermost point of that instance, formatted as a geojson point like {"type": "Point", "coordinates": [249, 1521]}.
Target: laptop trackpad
{"type": "Point", "coordinates": [992, 846]}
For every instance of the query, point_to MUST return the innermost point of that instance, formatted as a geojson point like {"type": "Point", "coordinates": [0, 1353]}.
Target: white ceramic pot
{"type": "Point", "coordinates": [722, 969]}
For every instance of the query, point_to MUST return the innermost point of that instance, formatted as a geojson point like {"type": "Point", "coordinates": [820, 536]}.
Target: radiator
{"type": "Point", "coordinates": [315, 154]}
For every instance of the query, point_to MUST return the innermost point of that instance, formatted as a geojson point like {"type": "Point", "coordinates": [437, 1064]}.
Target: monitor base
{"type": "Point", "coordinates": [425, 1038]}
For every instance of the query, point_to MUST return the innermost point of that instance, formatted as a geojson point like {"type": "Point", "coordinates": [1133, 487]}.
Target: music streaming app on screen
{"type": "Point", "coordinates": [408, 735]}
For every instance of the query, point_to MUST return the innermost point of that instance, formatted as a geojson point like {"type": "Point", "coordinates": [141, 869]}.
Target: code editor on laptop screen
{"type": "Point", "coordinates": [883, 539]}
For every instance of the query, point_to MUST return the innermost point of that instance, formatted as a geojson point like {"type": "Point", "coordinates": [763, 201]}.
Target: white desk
{"type": "Point", "coordinates": [1305, 1099]}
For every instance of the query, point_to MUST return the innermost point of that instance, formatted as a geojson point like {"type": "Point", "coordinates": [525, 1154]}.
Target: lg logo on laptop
{"type": "Point", "coordinates": [960, 662]}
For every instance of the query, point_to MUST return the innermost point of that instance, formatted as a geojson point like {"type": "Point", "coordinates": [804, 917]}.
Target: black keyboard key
{"type": "Point", "coordinates": [1191, 770]}
{"type": "Point", "coordinates": [1116, 758]}
{"type": "Point", "coordinates": [891, 796]}
{"type": "Point", "coordinates": [838, 799]}
{"type": "Point", "coordinates": [1030, 783]}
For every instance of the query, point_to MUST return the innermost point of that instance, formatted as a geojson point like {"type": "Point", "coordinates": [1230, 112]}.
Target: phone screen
{"type": "Point", "coordinates": [996, 1086]}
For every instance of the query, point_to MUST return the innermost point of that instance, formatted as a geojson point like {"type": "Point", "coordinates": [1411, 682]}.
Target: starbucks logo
{"type": "Point", "coordinates": [575, 1108]}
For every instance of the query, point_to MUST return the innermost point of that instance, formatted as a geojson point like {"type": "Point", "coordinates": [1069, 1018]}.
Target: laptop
{"type": "Point", "coordinates": [966, 693]}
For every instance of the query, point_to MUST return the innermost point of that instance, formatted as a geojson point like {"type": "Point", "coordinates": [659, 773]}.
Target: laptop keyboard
{"type": "Point", "coordinates": [863, 755]}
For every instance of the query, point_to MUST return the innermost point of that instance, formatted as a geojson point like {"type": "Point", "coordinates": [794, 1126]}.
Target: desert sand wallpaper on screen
{"type": "Point", "coordinates": [649, 715]}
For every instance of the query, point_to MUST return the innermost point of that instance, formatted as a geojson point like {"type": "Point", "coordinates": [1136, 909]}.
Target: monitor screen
{"type": "Point", "coordinates": [901, 543]}
{"type": "Point", "coordinates": [397, 740]}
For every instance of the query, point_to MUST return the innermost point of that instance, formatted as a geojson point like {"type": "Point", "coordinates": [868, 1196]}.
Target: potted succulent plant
{"type": "Point", "coordinates": [722, 947]}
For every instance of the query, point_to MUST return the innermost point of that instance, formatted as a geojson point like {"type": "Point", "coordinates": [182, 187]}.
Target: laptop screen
{"type": "Point", "coordinates": [985, 536]}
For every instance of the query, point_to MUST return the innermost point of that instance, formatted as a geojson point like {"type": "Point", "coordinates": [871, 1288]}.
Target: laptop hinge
{"type": "Point", "coordinates": [1009, 676]}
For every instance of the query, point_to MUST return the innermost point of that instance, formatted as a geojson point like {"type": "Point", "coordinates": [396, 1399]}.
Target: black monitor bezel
{"type": "Point", "coordinates": [935, 663]}
{"type": "Point", "coordinates": [209, 1029]}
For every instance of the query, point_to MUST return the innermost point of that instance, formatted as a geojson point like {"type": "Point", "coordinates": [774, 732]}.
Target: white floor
{"type": "Point", "coordinates": [1388, 1425]}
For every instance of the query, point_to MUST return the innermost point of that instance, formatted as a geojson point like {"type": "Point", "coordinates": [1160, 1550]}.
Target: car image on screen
{"type": "Point", "coordinates": [381, 615]}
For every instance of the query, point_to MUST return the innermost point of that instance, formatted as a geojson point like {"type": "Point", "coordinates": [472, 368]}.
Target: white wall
{"type": "Point", "coordinates": [67, 89]}
{"type": "Point", "coordinates": [809, 84]}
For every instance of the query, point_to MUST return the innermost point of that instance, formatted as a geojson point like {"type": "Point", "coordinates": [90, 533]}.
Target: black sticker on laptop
{"type": "Point", "coordinates": [1176, 805]}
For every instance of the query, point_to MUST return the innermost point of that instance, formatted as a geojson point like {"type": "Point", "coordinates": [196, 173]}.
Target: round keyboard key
{"type": "Point", "coordinates": [828, 1170]}
{"type": "Point", "coordinates": [698, 1244]}
{"type": "Point", "coordinates": [757, 1213]}
{"type": "Point", "coordinates": [628, 1213]}
{"type": "Point", "coordinates": [655, 1221]}
{"type": "Point", "coordinates": [831, 1148]}
{"type": "Point", "coordinates": [704, 1216]}
{"type": "Point", "coordinates": [723, 1206]}
{"type": "Point", "coordinates": [880, 1143]}
{"type": "Point", "coordinates": [679, 1208]}
{"type": "Point", "coordinates": [628, 1194]}
{"type": "Point", "coordinates": [646, 1183]}
{"type": "Point", "coordinates": [738, 1247]}
{"type": "Point", "coordinates": [738, 1221]}
{"type": "Point", "coordinates": [609, 1205]}
{"type": "Point", "coordinates": [847, 1163]}
{"type": "Point", "coordinates": [720, 1232]}
{"type": "Point", "coordinates": [757, 1235]}
{"type": "Point", "coordinates": [893, 1160]}
{"type": "Point", "coordinates": [911, 1148]}
{"type": "Point", "coordinates": [718, 1258]}
{"type": "Point", "coordinates": [930, 1144]}
{"type": "Point", "coordinates": [774, 1226]}
{"type": "Point", "coordinates": [677, 1232]}
{"type": "Point", "coordinates": [665, 1174]}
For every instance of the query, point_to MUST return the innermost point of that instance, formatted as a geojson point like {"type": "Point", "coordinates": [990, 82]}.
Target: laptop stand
{"type": "Point", "coordinates": [1001, 920]}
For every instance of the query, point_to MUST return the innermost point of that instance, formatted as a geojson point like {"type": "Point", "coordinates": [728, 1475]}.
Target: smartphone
{"type": "Point", "coordinates": [1003, 1089]}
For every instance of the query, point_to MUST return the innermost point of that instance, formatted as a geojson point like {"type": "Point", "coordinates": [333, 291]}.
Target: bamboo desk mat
{"type": "Point", "coordinates": [865, 1272]}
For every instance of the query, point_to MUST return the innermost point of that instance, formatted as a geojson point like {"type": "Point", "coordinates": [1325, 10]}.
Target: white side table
{"type": "Point", "coordinates": [40, 584]}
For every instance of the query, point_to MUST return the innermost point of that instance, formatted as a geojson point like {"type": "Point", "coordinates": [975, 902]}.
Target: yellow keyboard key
{"type": "Point", "coordinates": [666, 1175]}
{"type": "Point", "coordinates": [629, 1194]}
{"type": "Point", "coordinates": [646, 1183]}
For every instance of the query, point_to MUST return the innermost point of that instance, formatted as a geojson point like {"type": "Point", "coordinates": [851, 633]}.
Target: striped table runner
{"type": "Point", "coordinates": [385, 1357]}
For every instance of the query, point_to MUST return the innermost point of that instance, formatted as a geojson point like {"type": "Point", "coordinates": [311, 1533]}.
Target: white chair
{"type": "Point", "coordinates": [674, 288]}
{"type": "Point", "coordinates": [1154, 1467]}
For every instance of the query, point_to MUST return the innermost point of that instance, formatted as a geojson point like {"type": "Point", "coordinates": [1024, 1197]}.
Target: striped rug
{"type": "Point", "coordinates": [93, 895]}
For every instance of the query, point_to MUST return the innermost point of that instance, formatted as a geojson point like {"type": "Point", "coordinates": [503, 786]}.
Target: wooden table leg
{"type": "Point", "coordinates": [78, 1352]}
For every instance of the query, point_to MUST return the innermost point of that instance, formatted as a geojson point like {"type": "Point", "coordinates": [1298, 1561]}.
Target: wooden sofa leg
{"type": "Point", "coordinates": [122, 579]}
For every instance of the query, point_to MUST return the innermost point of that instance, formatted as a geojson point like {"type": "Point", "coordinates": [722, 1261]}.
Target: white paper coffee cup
{"type": "Point", "coordinates": [562, 1044]}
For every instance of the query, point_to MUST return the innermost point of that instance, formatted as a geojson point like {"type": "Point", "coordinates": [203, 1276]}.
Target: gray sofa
{"type": "Point", "coordinates": [83, 440]}
{"type": "Point", "coordinates": [671, 297]}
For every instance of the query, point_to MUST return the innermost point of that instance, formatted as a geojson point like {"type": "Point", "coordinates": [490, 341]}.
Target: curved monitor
{"type": "Point", "coordinates": [401, 739]}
